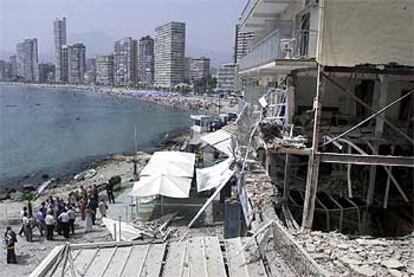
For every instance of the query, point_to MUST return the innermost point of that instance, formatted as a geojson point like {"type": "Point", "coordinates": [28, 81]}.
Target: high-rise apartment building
{"type": "Point", "coordinates": [199, 69]}
{"type": "Point", "coordinates": [13, 67]}
{"type": "Point", "coordinates": [169, 53]}
{"type": "Point", "coordinates": [3, 71]}
{"type": "Point", "coordinates": [145, 67]}
{"type": "Point", "coordinates": [90, 73]}
{"type": "Point", "coordinates": [105, 70]}
{"type": "Point", "coordinates": [76, 65]}
{"type": "Point", "coordinates": [242, 43]}
{"type": "Point", "coordinates": [227, 78]}
{"type": "Point", "coordinates": [125, 62]}
{"type": "Point", "coordinates": [46, 72]}
{"type": "Point", "coordinates": [197, 72]}
{"type": "Point", "coordinates": [59, 32]}
{"type": "Point", "coordinates": [27, 60]}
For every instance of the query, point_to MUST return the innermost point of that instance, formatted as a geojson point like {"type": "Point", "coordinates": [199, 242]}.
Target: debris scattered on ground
{"type": "Point", "coordinates": [366, 256]}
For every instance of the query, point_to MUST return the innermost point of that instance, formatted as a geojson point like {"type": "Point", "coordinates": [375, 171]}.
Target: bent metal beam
{"type": "Point", "coordinates": [344, 158]}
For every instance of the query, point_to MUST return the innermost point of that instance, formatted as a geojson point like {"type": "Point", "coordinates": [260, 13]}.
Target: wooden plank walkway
{"type": "Point", "coordinates": [243, 263]}
{"type": "Point", "coordinates": [198, 257]}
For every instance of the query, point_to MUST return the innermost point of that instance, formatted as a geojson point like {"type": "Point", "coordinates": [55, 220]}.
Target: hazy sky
{"type": "Point", "coordinates": [210, 23]}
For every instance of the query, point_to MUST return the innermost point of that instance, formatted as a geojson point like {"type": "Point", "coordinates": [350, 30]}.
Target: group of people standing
{"type": "Point", "coordinates": [56, 215]}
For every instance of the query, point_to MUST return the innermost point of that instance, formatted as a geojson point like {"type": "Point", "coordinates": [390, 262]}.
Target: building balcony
{"type": "Point", "coordinates": [277, 50]}
{"type": "Point", "coordinates": [257, 13]}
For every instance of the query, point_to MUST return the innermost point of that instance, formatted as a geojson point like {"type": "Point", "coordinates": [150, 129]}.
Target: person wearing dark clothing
{"type": "Point", "coordinates": [135, 166]}
{"type": "Point", "coordinates": [43, 209]}
{"type": "Point", "coordinates": [93, 205]}
{"type": "Point", "coordinates": [110, 192]}
{"type": "Point", "coordinates": [10, 240]}
{"type": "Point", "coordinates": [94, 192]}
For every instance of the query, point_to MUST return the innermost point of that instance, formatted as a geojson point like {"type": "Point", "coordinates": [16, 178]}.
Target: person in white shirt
{"type": "Point", "coordinates": [102, 208]}
{"type": "Point", "coordinates": [72, 219]}
{"type": "Point", "coordinates": [64, 220]}
{"type": "Point", "coordinates": [27, 224]}
{"type": "Point", "coordinates": [50, 225]}
{"type": "Point", "coordinates": [21, 214]}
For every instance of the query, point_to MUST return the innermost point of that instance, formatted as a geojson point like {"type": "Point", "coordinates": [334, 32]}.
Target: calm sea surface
{"type": "Point", "coordinates": [53, 131]}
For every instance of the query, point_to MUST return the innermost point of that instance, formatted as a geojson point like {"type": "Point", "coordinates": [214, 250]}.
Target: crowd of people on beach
{"type": "Point", "coordinates": [59, 216]}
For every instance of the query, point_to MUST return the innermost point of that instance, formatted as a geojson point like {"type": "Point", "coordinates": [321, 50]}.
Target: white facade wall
{"type": "Point", "coordinates": [27, 60]}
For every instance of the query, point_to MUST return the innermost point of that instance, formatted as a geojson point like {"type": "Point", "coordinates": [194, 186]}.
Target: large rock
{"type": "Point", "coordinates": [395, 273]}
{"type": "Point", "coordinates": [349, 261]}
{"type": "Point", "coordinates": [392, 263]}
{"type": "Point", "coordinates": [371, 242]}
{"type": "Point", "coordinates": [364, 270]}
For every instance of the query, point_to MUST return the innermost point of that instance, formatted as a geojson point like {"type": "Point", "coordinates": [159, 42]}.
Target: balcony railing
{"type": "Point", "coordinates": [264, 52]}
{"type": "Point", "coordinates": [277, 45]}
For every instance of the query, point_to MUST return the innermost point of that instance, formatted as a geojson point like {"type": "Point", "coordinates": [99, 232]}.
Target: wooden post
{"type": "Point", "coordinates": [380, 101]}
{"type": "Point", "coordinates": [379, 128]}
{"type": "Point", "coordinates": [290, 98]}
{"type": "Point", "coordinates": [314, 159]}
{"type": "Point", "coordinates": [286, 179]}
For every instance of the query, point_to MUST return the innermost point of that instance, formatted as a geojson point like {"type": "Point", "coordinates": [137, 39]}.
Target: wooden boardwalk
{"type": "Point", "coordinates": [198, 257]}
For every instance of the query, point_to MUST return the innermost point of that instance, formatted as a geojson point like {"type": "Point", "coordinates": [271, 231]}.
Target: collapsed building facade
{"type": "Point", "coordinates": [329, 86]}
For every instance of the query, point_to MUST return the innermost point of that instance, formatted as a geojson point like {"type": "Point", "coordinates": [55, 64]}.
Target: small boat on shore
{"type": "Point", "coordinates": [87, 174]}
{"type": "Point", "coordinates": [44, 185]}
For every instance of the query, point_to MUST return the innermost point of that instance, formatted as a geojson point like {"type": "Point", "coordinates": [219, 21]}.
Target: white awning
{"type": "Point", "coordinates": [170, 163]}
{"type": "Point", "coordinates": [167, 173]}
{"type": "Point", "coordinates": [170, 186]}
{"type": "Point", "coordinates": [220, 140]}
{"type": "Point", "coordinates": [211, 177]}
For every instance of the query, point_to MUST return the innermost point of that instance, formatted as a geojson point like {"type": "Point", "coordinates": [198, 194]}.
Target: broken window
{"type": "Point", "coordinates": [365, 92]}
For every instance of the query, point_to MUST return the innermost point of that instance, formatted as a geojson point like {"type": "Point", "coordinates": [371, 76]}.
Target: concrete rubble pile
{"type": "Point", "coordinates": [157, 228]}
{"type": "Point", "coordinates": [298, 142]}
{"type": "Point", "coordinates": [363, 256]}
{"type": "Point", "coordinates": [259, 186]}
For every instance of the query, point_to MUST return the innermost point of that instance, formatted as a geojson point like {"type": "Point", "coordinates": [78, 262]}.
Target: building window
{"type": "Point", "coordinates": [365, 92]}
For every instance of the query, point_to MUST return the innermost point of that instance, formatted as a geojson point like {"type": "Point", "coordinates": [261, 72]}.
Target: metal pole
{"type": "Point", "coordinates": [114, 231]}
{"type": "Point", "coordinates": [369, 118]}
{"type": "Point", "coordinates": [120, 220]}
{"type": "Point", "coordinates": [162, 205]}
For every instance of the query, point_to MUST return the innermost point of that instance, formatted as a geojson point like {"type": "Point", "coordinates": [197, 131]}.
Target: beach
{"type": "Point", "coordinates": [195, 103]}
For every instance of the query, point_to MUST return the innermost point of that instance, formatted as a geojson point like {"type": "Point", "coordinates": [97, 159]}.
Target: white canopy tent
{"type": "Point", "coordinates": [220, 140]}
{"type": "Point", "coordinates": [167, 174]}
{"type": "Point", "coordinates": [212, 177]}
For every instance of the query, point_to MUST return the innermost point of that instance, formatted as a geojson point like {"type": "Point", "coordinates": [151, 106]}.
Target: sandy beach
{"type": "Point", "coordinates": [198, 104]}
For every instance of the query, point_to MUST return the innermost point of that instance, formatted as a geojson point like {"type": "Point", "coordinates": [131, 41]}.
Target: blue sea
{"type": "Point", "coordinates": [55, 131]}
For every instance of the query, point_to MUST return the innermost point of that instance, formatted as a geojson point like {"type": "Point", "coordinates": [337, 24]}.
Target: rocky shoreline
{"type": "Point", "coordinates": [14, 187]}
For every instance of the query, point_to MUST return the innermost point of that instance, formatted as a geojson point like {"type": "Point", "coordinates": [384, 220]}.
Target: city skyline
{"type": "Point", "coordinates": [121, 19]}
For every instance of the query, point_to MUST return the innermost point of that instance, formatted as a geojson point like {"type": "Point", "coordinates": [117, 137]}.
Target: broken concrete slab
{"type": "Point", "coordinates": [392, 263]}
{"type": "Point", "coordinates": [364, 270]}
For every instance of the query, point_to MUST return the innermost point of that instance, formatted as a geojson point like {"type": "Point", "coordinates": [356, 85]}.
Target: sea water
{"type": "Point", "coordinates": [53, 130]}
